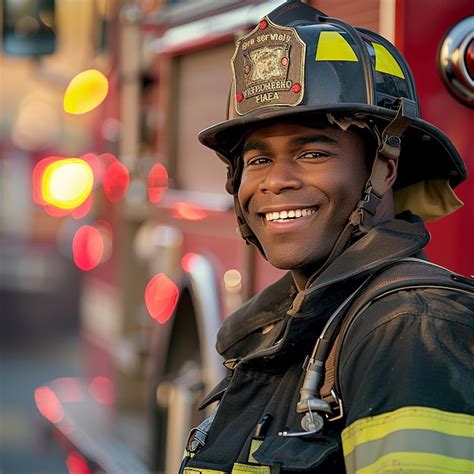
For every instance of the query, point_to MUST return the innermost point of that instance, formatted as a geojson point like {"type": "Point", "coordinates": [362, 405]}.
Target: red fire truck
{"type": "Point", "coordinates": [171, 79]}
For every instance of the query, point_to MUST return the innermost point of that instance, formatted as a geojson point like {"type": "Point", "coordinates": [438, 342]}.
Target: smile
{"type": "Point", "coordinates": [284, 216]}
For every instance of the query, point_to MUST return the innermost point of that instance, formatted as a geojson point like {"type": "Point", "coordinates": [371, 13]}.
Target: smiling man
{"type": "Point", "coordinates": [360, 358]}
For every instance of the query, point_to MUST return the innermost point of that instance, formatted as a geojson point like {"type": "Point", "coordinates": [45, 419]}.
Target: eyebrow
{"type": "Point", "coordinates": [305, 140]}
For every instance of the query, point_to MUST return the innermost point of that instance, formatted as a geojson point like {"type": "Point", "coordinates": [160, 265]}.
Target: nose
{"type": "Point", "coordinates": [281, 176]}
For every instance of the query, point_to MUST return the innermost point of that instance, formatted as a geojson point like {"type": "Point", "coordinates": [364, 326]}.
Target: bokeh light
{"type": "Point", "coordinates": [187, 261]}
{"type": "Point", "coordinates": [86, 91]}
{"type": "Point", "coordinates": [76, 464]}
{"type": "Point", "coordinates": [157, 183]}
{"type": "Point", "coordinates": [87, 247]}
{"type": "Point", "coordinates": [161, 297]}
{"type": "Point", "coordinates": [233, 281]}
{"type": "Point", "coordinates": [48, 404]}
{"type": "Point", "coordinates": [66, 183]}
{"type": "Point", "coordinates": [188, 211]}
{"type": "Point", "coordinates": [103, 390]}
{"type": "Point", "coordinates": [116, 178]}
{"type": "Point", "coordinates": [84, 209]}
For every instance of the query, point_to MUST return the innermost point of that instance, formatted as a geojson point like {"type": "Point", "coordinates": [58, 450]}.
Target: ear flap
{"type": "Point", "coordinates": [430, 199]}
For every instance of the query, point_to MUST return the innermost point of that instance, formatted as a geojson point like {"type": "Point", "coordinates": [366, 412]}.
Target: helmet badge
{"type": "Point", "coordinates": [268, 68]}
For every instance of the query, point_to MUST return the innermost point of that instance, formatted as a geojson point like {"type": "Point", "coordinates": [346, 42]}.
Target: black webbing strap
{"type": "Point", "coordinates": [408, 273]}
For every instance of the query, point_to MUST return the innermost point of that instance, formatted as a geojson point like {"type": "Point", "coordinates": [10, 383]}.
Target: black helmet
{"type": "Point", "coordinates": [299, 62]}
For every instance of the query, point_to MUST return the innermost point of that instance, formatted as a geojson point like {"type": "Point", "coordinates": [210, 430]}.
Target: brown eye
{"type": "Point", "coordinates": [313, 155]}
{"type": "Point", "coordinates": [258, 160]}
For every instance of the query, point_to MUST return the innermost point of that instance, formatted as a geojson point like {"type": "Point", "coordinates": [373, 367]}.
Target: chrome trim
{"type": "Point", "coordinates": [452, 61]}
{"type": "Point", "coordinates": [208, 317]}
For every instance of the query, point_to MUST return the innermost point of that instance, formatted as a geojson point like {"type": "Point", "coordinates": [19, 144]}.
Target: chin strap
{"type": "Point", "coordinates": [389, 147]}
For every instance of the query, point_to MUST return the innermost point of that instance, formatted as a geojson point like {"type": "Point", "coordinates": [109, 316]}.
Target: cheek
{"type": "Point", "coordinates": [244, 192]}
{"type": "Point", "coordinates": [344, 187]}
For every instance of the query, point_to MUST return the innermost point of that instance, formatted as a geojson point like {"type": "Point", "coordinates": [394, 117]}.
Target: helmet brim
{"type": "Point", "coordinates": [426, 153]}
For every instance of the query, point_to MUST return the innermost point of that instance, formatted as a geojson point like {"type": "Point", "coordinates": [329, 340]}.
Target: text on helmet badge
{"type": "Point", "coordinates": [268, 68]}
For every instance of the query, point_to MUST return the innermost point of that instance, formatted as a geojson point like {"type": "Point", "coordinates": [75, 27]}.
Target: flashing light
{"type": "Point", "coordinates": [76, 464]}
{"type": "Point", "coordinates": [188, 211]}
{"type": "Point", "coordinates": [161, 297]}
{"type": "Point", "coordinates": [187, 261]}
{"type": "Point", "coordinates": [103, 390]}
{"type": "Point", "coordinates": [157, 183]}
{"type": "Point", "coordinates": [86, 91]}
{"type": "Point", "coordinates": [65, 183]}
{"type": "Point", "coordinates": [87, 247]}
{"type": "Point", "coordinates": [115, 180]}
{"type": "Point", "coordinates": [48, 404]}
{"type": "Point", "coordinates": [83, 209]}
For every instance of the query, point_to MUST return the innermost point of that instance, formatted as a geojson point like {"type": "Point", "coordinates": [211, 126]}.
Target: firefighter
{"type": "Point", "coordinates": [360, 358]}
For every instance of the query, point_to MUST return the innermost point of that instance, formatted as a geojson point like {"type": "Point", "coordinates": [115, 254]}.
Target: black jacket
{"type": "Point", "coordinates": [405, 373]}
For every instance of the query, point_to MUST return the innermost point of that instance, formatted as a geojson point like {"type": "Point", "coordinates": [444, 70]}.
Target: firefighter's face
{"type": "Point", "coordinates": [299, 185]}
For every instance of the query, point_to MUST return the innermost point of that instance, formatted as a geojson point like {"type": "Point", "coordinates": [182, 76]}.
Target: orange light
{"type": "Point", "coordinates": [187, 261]}
{"type": "Point", "coordinates": [96, 165]}
{"type": "Point", "coordinates": [86, 91]}
{"type": "Point", "coordinates": [48, 404]}
{"type": "Point", "coordinates": [76, 464]}
{"type": "Point", "coordinates": [161, 297]}
{"type": "Point", "coordinates": [83, 209]}
{"type": "Point", "coordinates": [37, 178]}
{"type": "Point", "coordinates": [66, 183]}
{"type": "Point", "coordinates": [115, 181]}
{"type": "Point", "coordinates": [157, 183]}
{"type": "Point", "coordinates": [102, 389]}
{"type": "Point", "coordinates": [188, 211]}
{"type": "Point", "coordinates": [87, 247]}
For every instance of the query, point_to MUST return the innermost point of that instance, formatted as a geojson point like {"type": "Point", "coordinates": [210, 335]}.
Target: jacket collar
{"type": "Point", "coordinates": [384, 244]}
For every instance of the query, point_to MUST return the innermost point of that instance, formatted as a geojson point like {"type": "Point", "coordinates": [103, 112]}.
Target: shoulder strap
{"type": "Point", "coordinates": [408, 273]}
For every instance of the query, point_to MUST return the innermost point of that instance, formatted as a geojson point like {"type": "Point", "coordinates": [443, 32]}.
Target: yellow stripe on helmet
{"type": "Point", "coordinates": [385, 62]}
{"type": "Point", "coordinates": [333, 47]}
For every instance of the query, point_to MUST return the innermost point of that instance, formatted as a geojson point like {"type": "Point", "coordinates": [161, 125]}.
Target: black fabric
{"type": "Point", "coordinates": [409, 348]}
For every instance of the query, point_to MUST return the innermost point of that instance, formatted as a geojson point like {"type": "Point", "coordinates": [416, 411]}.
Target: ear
{"type": "Point", "coordinates": [391, 176]}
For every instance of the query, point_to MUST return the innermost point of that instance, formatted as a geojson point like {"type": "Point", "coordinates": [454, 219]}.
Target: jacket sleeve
{"type": "Point", "coordinates": [407, 384]}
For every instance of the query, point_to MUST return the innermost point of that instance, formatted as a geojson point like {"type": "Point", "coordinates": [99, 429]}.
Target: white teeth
{"type": "Point", "coordinates": [286, 215]}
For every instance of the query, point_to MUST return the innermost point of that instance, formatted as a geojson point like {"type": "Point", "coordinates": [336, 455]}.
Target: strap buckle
{"type": "Point", "coordinates": [337, 409]}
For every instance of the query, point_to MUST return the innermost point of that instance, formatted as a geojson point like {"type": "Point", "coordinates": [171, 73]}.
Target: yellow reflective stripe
{"type": "Point", "coordinates": [239, 468]}
{"type": "Point", "coordinates": [333, 47]}
{"type": "Point", "coordinates": [418, 463]}
{"type": "Point", "coordinates": [411, 431]}
{"type": "Point", "coordinates": [407, 418]}
{"type": "Point", "coordinates": [198, 470]}
{"type": "Point", "coordinates": [256, 443]}
{"type": "Point", "coordinates": [385, 62]}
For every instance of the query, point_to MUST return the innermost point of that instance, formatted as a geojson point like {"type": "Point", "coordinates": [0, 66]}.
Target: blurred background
{"type": "Point", "coordinates": [119, 254]}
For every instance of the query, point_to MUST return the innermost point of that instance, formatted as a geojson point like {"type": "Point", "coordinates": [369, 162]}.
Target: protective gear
{"type": "Point", "coordinates": [389, 368]}
{"type": "Point", "coordinates": [298, 63]}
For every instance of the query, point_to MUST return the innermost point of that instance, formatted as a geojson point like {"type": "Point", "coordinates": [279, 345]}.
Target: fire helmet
{"type": "Point", "coordinates": [298, 63]}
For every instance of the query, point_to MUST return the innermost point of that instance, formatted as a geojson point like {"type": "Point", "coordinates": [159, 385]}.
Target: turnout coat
{"type": "Point", "coordinates": [404, 373]}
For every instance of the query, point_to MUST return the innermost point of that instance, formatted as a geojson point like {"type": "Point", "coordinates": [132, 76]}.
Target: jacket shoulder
{"type": "Point", "coordinates": [267, 307]}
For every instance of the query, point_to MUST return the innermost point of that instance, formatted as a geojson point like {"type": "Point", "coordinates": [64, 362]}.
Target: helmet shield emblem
{"type": "Point", "coordinates": [268, 68]}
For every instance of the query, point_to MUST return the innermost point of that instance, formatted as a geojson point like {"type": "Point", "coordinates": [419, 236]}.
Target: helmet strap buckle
{"type": "Point", "coordinates": [363, 218]}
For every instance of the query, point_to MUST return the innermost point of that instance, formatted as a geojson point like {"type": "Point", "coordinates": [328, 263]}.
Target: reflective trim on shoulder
{"type": "Point", "coordinates": [416, 462]}
{"type": "Point", "coordinates": [398, 438]}
{"type": "Point", "coordinates": [239, 468]}
{"type": "Point", "coordinates": [198, 470]}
